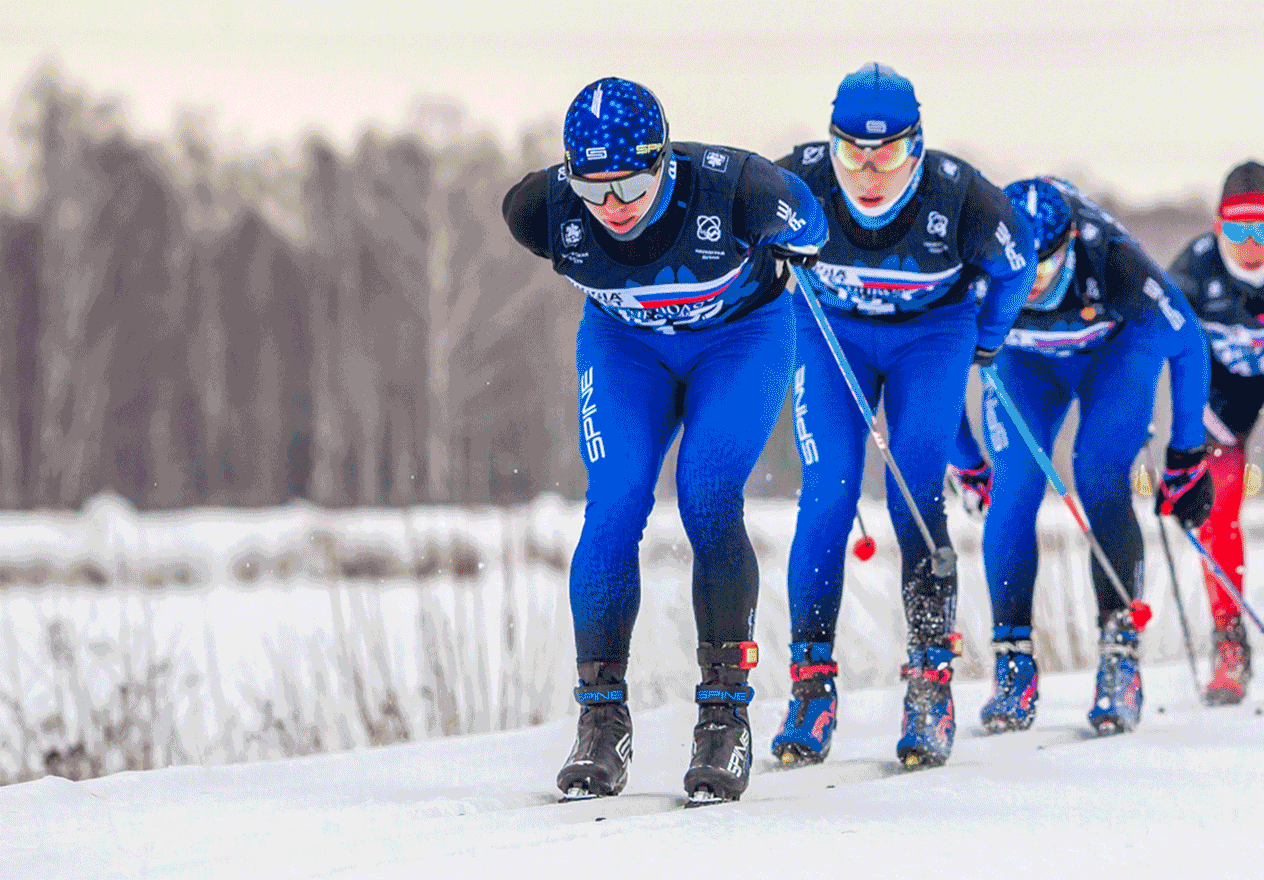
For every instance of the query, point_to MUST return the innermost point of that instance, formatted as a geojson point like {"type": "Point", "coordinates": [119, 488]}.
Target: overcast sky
{"type": "Point", "coordinates": [1156, 100]}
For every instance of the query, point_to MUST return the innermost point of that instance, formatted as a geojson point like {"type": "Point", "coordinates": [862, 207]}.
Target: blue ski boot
{"type": "Point", "coordinates": [804, 737]}
{"type": "Point", "coordinates": [1014, 693]}
{"type": "Point", "coordinates": [929, 724]}
{"type": "Point", "coordinates": [1117, 701]}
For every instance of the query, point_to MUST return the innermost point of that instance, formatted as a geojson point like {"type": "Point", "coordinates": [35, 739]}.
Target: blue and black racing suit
{"type": "Point", "coordinates": [903, 301]}
{"type": "Point", "coordinates": [1104, 345]}
{"type": "Point", "coordinates": [684, 326]}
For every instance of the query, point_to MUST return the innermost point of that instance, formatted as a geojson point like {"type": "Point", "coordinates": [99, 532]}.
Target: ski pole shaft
{"type": "Point", "coordinates": [1176, 590]}
{"type": "Point", "coordinates": [1234, 593]}
{"type": "Point", "coordinates": [994, 379]}
{"type": "Point", "coordinates": [941, 558]}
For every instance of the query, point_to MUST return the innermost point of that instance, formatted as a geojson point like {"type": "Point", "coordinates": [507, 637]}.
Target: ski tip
{"type": "Point", "coordinates": [703, 796]}
{"type": "Point", "coordinates": [576, 793]}
{"type": "Point", "coordinates": [922, 759]}
{"type": "Point", "coordinates": [1108, 728]}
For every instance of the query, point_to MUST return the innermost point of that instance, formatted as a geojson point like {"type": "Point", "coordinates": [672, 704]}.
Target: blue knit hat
{"type": "Point", "coordinates": [1042, 202]}
{"type": "Point", "coordinates": [874, 103]}
{"type": "Point", "coordinates": [613, 125]}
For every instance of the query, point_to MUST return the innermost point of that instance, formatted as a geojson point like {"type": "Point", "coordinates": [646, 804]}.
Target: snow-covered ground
{"type": "Point", "coordinates": [1181, 797]}
{"type": "Point", "coordinates": [241, 635]}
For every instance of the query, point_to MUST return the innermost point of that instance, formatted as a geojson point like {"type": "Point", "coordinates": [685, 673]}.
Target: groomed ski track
{"type": "Point", "coordinates": [1181, 797]}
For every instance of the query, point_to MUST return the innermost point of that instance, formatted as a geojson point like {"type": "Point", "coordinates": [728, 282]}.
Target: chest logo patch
{"type": "Point", "coordinates": [708, 227]}
{"type": "Point", "coordinates": [572, 233]}
{"type": "Point", "coordinates": [716, 161]}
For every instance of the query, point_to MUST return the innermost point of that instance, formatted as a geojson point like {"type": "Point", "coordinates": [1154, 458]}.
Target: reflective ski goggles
{"type": "Point", "coordinates": [1240, 232]}
{"type": "Point", "coordinates": [1048, 269]}
{"type": "Point", "coordinates": [883, 158]}
{"type": "Point", "coordinates": [1053, 277]}
{"type": "Point", "coordinates": [625, 189]}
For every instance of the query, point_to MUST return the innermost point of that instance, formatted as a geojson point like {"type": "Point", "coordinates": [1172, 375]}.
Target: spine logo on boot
{"type": "Point", "coordinates": [737, 760]}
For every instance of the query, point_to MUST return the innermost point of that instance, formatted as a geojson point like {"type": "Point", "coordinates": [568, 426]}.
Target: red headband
{"type": "Point", "coordinates": [1243, 207]}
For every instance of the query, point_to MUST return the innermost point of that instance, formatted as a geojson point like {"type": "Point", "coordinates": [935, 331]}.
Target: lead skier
{"type": "Point", "coordinates": [910, 232]}
{"type": "Point", "coordinates": [1222, 274]}
{"type": "Point", "coordinates": [675, 246]}
{"type": "Point", "coordinates": [1099, 322]}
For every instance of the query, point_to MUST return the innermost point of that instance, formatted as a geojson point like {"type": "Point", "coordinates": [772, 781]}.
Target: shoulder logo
{"type": "Point", "coordinates": [876, 126]}
{"type": "Point", "coordinates": [936, 224]}
{"type": "Point", "coordinates": [786, 213]}
{"type": "Point", "coordinates": [949, 168]}
{"type": "Point", "coordinates": [572, 233]}
{"type": "Point", "coordinates": [716, 161]}
{"type": "Point", "coordinates": [1204, 244]}
{"type": "Point", "coordinates": [708, 227]}
{"type": "Point", "coordinates": [1090, 231]}
{"type": "Point", "coordinates": [1006, 240]}
{"type": "Point", "coordinates": [813, 154]}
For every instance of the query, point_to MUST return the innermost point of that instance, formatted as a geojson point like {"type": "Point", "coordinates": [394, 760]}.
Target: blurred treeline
{"type": "Point", "coordinates": [186, 327]}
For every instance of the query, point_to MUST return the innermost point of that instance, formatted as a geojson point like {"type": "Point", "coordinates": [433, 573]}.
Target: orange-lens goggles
{"type": "Point", "coordinates": [1047, 270]}
{"type": "Point", "coordinates": [883, 159]}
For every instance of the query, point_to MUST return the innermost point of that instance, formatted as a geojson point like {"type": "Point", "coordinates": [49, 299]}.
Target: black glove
{"type": "Point", "coordinates": [1186, 491]}
{"type": "Point", "coordinates": [802, 255]}
{"type": "Point", "coordinates": [983, 356]}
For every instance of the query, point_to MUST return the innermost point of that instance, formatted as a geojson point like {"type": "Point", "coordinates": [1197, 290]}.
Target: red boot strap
{"type": "Point", "coordinates": [803, 672]}
{"type": "Point", "coordinates": [736, 655]}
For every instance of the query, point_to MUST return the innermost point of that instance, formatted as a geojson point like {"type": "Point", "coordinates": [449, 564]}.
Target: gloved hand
{"type": "Point", "coordinates": [804, 255]}
{"type": "Point", "coordinates": [983, 357]}
{"type": "Point", "coordinates": [1186, 491]}
{"type": "Point", "coordinates": [975, 488]}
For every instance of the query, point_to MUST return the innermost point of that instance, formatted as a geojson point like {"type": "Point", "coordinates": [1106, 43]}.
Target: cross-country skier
{"type": "Point", "coordinates": [1100, 320]}
{"type": "Point", "coordinates": [675, 246]}
{"type": "Point", "coordinates": [1222, 274]}
{"type": "Point", "coordinates": [911, 232]}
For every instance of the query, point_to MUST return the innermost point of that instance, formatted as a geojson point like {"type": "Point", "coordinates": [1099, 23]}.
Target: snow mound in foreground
{"type": "Point", "coordinates": [1181, 797]}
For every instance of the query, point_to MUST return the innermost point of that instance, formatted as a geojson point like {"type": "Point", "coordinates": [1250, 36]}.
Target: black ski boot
{"type": "Point", "coordinates": [598, 765]}
{"type": "Point", "coordinates": [720, 767]}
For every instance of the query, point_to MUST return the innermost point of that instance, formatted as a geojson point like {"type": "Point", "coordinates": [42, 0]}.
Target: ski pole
{"type": "Point", "coordinates": [1141, 612]}
{"type": "Point", "coordinates": [863, 548]}
{"type": "Point", "coordinates": [943, 559]}
{"type": "Point", "coordinates": [1176, 590]}
{"type": "Point", "coordinates": [1220, 575]}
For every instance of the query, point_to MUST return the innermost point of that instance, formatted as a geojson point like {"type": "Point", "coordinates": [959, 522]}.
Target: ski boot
{"type": "Point", "coordinates": [1233, 665]}
{"type": "Point", "coordinates": [598, 764]}
{"type": "Point", "coordinates": [804, 737]}
{"type": "Point", "coordinates": [1014, 693]}
{"type": "Point", "coordinates": [929, 724]}
{"type": "Point", "coordinates": [1117, 701]}
{"type": "Point", "coordinates": [719, 769]}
